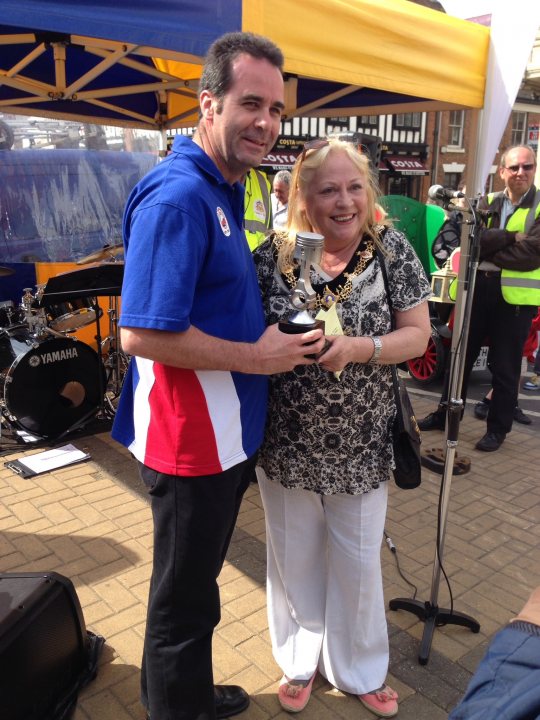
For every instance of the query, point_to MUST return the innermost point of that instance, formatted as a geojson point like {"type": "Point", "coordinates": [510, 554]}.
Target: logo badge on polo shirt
{"type": "Point", "coordinates": [223, 222]}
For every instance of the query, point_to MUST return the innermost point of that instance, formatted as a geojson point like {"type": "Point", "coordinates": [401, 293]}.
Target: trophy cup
{"type": "Point", "coordinates": [308, 250]}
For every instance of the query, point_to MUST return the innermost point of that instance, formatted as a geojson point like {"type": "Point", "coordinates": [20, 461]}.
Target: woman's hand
{"type": "Point", "coordinates": [409, 340]}
{"type": "Point", "coordinates": [343, 350]}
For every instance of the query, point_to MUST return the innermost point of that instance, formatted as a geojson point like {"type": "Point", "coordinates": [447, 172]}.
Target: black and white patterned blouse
{"type": "Point", "coordinates": [323, 434]}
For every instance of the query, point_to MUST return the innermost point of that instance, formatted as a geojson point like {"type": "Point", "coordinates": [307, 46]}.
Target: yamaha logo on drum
{"type": "Point", "coordinates": [52, 357]}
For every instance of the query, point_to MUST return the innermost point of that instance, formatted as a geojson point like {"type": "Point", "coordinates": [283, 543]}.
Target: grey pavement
{"type": "Point", "coordinates": [92, 523]}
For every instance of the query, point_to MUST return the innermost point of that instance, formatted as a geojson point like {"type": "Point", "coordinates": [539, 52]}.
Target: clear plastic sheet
{"type": "Point", "coordinates": [61, 205]}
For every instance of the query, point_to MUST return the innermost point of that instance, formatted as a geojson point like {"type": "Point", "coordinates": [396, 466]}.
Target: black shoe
{"type": "Point", "coordinates": [520, 417]}
{"type": "Point", "coordinates": [230, 700]}
{"type": "Point", "coordinates": [490, 442]}
{"type": "Point", "coordinates": [481, 410]}
{"type": "Point", "coordinates": [434, 421]}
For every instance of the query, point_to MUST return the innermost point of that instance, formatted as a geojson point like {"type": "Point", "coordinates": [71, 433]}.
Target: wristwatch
{"type": "Point", "coordinates": [377, 349]}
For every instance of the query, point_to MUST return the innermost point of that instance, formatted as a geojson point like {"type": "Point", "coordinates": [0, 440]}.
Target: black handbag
{"type": "Point", "coordinates": [405, 430]}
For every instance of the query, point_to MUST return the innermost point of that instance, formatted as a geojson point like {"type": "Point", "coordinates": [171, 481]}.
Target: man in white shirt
{"type": "Point", "coordinates": [280, 198]}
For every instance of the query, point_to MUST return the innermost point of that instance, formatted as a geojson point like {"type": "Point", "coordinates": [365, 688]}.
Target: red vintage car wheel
{"type": "Point", "coordinates": [430, 366]}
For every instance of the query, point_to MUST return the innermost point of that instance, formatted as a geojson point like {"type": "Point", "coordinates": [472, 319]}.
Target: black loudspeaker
{"type": "Point", "coordinates": [370, 145]}
{"type": "Point", "coordinates": [43, 645]}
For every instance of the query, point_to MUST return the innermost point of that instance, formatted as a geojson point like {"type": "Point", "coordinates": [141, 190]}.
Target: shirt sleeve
{"type": "Point", "coordinates": [506, 684]}
{"type": "Point", "coordinates": [164, 255]}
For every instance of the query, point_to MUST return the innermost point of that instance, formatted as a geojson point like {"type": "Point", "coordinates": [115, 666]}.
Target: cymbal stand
{"type": "Point", "coordinates": [105, 410]}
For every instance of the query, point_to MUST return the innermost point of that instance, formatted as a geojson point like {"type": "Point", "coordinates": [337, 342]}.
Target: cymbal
{"type": "Point", "coordinates": [5, 271]}
{"type": "Point", "coordinates": [109, 251]}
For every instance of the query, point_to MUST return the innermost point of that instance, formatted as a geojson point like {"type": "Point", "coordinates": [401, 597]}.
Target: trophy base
{"type": "Point", "coordinates": [298, 328]}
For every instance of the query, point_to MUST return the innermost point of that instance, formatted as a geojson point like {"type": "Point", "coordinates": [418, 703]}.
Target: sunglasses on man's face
{"type": "Point", "coordinates": [526, 167]}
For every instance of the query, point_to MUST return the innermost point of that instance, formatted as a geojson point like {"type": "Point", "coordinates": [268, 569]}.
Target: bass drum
{"type": "Point", "coordinates": [50, 385]}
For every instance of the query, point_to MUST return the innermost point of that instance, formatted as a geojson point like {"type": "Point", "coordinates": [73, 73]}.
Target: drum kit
{"type": "Point", "coordinates": [52, 383]}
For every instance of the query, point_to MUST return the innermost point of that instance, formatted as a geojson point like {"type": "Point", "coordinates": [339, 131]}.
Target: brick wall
{"type": "Point", "coordinates": [437, 129]}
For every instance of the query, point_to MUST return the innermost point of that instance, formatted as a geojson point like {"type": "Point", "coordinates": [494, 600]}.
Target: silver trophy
{"type": "Point", "coordinates": [308, 251]}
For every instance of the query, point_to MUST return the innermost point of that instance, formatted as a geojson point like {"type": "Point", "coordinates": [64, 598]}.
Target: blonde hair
{"type": "Point", "coordinates": [302, 174]}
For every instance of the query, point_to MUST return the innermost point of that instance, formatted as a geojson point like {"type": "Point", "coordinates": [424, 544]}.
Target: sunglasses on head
{"type": "Point", "coordinates": [323, 142]}
{"type": "Point", "coordinates": [312, 145]}
{"type": "Point", "coordinates": [527, 167]}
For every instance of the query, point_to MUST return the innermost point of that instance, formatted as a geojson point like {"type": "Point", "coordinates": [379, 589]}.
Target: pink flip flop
{"type": "Point", "coordinates": [382, 702]}
{"type": "Point", "coordinates": [293, 695]}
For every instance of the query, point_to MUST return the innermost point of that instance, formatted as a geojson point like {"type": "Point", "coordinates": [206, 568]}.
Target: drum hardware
{"type": "Point", "coordinates": [117, 361]}
{"type": "Point", "coordinates": [106, 409]}
{"type": "Point", "coordinates": [10, 314]}
{"type": "Point", "coordinates": [34, 316]}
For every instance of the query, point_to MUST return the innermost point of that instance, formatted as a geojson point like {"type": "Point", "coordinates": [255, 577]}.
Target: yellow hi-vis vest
{"type": "Point", "coordinates": [257, 208]}
{"type": "Point", "coordinates": [521, 288]}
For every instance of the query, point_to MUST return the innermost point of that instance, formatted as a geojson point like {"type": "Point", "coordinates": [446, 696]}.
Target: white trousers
{"type": "Point", "coordinates": [324, 584]}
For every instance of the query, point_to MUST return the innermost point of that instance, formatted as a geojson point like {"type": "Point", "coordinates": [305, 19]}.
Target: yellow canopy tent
{"type": "Point", "coordinates": [136, 63]}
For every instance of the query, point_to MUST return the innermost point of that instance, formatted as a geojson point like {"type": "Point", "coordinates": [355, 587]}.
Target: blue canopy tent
{"type": "Point", "coordinates": [136, 63]}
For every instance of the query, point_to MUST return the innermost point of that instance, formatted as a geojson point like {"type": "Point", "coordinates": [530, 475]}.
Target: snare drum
{"type": "Point", "coordinates": [48, 384]}
{"type": "Point", "coordinates": [72, 315]}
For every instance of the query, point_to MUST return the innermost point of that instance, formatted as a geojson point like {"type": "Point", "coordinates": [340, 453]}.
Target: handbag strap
{"type": "Point", "coordinates": [382, 263]}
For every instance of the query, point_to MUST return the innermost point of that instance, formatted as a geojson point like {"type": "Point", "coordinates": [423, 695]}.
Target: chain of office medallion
{"type": "Point", "coordinates": [342, 292]}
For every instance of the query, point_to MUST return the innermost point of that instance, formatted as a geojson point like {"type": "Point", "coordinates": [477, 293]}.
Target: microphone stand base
{"type": "Point", "coordinates": [433, 617]}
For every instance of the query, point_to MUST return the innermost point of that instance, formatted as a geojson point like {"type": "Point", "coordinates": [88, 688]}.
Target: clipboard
{"type": "Point", "coordinates": [46, 461]}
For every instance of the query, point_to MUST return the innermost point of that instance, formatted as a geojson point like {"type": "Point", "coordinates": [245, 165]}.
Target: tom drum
{"type": "Point", "coordinates": [72, 315]}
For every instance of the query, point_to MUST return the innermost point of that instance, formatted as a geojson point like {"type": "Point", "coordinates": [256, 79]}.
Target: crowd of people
{"type": "Point", "coordinates": [217, 395]}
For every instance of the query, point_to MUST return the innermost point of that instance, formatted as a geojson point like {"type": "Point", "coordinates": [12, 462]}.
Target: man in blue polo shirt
{"type": "Point", "coordinates": [193, 404]}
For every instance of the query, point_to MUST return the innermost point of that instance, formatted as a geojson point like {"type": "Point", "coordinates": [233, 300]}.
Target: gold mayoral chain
{"type": "Point", "coordinates": [331, 295]}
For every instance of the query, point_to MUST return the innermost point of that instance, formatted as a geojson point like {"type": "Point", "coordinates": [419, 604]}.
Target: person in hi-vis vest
{"type": "Point", "coordinates": [257, 208]}
{"type": "Point", "coordinates": [506, 293]}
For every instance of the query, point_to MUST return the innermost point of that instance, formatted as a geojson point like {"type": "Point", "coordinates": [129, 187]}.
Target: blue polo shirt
{"type": "Point", "coordinates": [187, 263]}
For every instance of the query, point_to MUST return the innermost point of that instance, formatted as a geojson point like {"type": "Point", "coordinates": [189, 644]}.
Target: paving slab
{"type": "Point", "coordinates": [92, 523]}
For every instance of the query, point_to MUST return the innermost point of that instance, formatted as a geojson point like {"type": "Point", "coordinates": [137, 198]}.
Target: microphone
{"type": "Point", "coordinates": [438, 192]}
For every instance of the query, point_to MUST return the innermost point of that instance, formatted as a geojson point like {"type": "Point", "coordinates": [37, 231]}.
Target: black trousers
{"type": "Point", "coordinates": [505, 327]}
{"type": "Point", "coordinates": [194, 518]}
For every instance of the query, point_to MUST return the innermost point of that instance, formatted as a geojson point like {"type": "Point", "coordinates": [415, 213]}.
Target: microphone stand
{"type": "Point", "coordinates": [428, 611]}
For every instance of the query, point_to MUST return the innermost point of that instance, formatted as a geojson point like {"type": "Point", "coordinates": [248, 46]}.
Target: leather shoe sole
{"type": "Point", "coordinates": [230, 700]}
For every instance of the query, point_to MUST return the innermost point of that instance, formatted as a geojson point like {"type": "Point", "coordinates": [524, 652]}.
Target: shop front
{"type": "Point", "coordinates": [404, 176]}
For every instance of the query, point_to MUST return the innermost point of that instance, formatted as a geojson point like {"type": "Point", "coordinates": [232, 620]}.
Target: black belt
{"type": "Point", "coordinates": [489, 273]}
